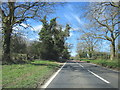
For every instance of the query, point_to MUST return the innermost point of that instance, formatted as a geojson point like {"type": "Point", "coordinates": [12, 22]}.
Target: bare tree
{"type": "Point", "coordinates": [14, 13]}
{"type": "Point", "coordinates": [81, 50]}
{"type": "Point", "coordinates": [88, 43]}
{"type": "Point", "coordinates": [104, 17]}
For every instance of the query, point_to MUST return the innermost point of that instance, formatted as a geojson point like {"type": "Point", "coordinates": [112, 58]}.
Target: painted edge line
{"type": "Point", "coordinates": [52, 77]}
{"type": "Point", "coordinates": [99, 77]}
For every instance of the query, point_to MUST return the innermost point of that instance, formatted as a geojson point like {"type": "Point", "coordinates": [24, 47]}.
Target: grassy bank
{"type": "Point", "coordinates": [27, 75]}
{"type": "Point", "coordinates": [0, 54]}
{"type": "Point", "coordinates": [106, 63]}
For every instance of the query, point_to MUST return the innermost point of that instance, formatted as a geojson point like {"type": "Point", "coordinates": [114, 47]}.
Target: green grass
{"type": "Point", "coordinates": [27, 75]}
{"type": "Point", "coordinates": [106, 63]}
{"type": "Point", "coordinates": [85, 60]}
{"type": "Point", "coordinates": [0, 54]}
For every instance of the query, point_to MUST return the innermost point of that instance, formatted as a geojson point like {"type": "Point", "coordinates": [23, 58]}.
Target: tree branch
{"type": "Point", "coordinates": [103, 24]}
{"type": "Point", "coordinates": [2, 13]}
{"type": "Point", "coordinates": [114, 5]}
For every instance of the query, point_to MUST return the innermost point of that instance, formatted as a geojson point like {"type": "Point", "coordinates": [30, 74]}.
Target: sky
{"type": "Point", "coordinates": [71, 14]}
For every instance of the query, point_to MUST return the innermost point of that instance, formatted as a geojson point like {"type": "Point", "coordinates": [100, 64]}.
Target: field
{"type": "Point", "coordinates": [27, 75]}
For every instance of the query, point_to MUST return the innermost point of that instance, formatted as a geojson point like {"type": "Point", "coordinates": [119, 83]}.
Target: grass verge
{"type": "Point", "coordinates": [114, 64]}
{"type": "Point", "coordinates": [27, 75]}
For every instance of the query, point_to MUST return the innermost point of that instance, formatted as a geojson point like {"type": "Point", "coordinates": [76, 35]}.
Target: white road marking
{"type": "Point", "coordinates": [99, 77]}
{"type": "Point", "coordinates": [52, 77]}
{"type": "Point", "coordinates": [80, 65]}
{"type": "Point", "coordinates": [95, 74]}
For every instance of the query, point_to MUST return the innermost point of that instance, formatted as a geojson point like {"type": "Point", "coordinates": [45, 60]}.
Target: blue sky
{"type": "Point", "coordinates": [70, 13]}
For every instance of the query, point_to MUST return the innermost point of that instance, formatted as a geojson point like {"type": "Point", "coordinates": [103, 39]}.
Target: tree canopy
{"type": "Point", "coordinates": [52, 39]}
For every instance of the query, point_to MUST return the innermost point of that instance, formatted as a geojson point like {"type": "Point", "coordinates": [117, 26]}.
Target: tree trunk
{"type": "Point", "coordinates": [6, 47]}
{"type": "Point", "coordinates": [112, 50]}
{"type": "Point", "coordinates": [7, 24]}
{"type": "Point", "coordinates": [90, 54]}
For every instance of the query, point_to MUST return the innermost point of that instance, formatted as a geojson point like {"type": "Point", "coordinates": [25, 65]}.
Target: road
{"type": "Point", "coordinates": [84, 75]}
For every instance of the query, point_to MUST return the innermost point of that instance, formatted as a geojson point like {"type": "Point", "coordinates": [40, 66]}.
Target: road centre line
{"type": "Point", "coordinates": [80, 65]}
{"type": "Point", "coordinates": [99, 77]}
{"type": "Point", "coordinates": [52, 77]}
{"type": "Point", "coordinates": [95, 74]}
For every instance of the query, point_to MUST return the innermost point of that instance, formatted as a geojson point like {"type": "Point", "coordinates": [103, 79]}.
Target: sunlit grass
{"type": "Point", "coordinates": [26, 75]}
{"type": "Point", "coordinates": [106, 63]}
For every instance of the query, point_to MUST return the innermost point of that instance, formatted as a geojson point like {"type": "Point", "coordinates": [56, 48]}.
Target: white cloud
{"type": "Point", "coordinates": [68, 17]}
{"type": "Point", "coordinates": [73, 53]}
{"type": "Point", "coordinates": [24, 25]}
{"type": "Point", "coordinates": [20, 27]}
{"type": "Point", "coordinates": [36, 38]}
{"type": "Point", "coordinates": [71, 34]}
{"type": "Point", "coordinates": [38, 28]}
{"type": "Point", "coordinates": [16, 28]}
{"type": "Point", "coordinates": [72, 17]}
{"type": "Point", "coordinates": [63, 29]}
{"type": "Point", "coordinates": [31, 39]}
{"type": "Point", "coordinates": [77, 18]}
{"type": "Point", "coordinates": [74, 29]}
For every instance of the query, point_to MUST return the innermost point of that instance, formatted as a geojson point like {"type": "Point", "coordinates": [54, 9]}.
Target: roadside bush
{"type": "Point", "coordinates": [19, 58]}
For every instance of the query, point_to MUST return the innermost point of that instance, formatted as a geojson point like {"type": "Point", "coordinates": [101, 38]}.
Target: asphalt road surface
{"type": "Point", "coordinates": [84, 75]}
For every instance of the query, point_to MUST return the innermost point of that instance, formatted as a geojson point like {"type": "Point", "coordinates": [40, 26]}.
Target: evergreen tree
{"type": "Point", "coordinates": [46, 39]}
{"type": "Point", "coordinates": [53, 40]}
